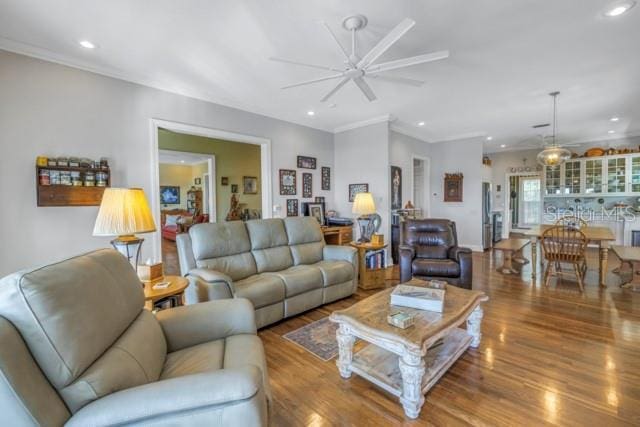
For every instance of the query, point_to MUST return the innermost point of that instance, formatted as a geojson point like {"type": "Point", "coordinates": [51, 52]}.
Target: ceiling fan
{"type": "Point", "coordinates": [358, 68]}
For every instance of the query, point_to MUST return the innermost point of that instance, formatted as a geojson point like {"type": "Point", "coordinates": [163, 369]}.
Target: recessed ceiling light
{"type": "Point", "coordinates": [87, 44]}
{"type": "Point", "coordinates": [181, 161]}
{"type": "Point", "coordinates": [421, 124]}
{"type": "Point", "coordinates": [489, 138]}
{"type": "Point", "coordinates": [311, 113]}
{"type": "Point", "coordinates": [619, 8]}
{"type": "Point", "coordinates": [611, 131]}
{"type": "Point", "coordinates": [614, 119]}
{"type": "Point", "coordinates": [503, 145]}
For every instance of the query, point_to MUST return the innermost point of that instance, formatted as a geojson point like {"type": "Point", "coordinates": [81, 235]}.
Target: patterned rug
{"type": "Point", "coordinates": [319, 338]}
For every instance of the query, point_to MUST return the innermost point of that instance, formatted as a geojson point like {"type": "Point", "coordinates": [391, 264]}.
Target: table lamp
{"type": "Point", "coordinates": [124, 212]}
{"type": "Point", "coordinates": [363, 206]}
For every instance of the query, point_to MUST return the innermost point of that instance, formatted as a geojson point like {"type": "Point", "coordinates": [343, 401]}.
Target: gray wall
{"type": "Point", "coordinates": [49, 109]}
{"type": "Point", "coordinates": [401, 150]}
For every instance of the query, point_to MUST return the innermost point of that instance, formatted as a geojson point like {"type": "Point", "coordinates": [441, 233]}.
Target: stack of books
{"type": "Point", "coordinates": [376, 259]}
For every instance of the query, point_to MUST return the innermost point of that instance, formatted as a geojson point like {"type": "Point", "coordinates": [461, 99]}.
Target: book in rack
{"type": "Point", "coordinates": [371, 264]}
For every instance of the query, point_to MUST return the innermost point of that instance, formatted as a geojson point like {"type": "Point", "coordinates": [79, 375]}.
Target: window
{"type": "Point", "coordinates": [531, 201]}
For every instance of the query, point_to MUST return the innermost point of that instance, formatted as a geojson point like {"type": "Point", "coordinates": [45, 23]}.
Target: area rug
{"type": "Point", "coordinates": [318, 338]}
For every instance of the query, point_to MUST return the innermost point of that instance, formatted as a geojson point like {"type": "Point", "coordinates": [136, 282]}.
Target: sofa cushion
{"type": "Point", "coordinates": [237, 266]}
{"type": "Point", "coordinates": [335, 272]}
{"type": "Point", "coordinates": [436, 267]}
{"type": "Point", "coordinates": [299, 279]}
{"type": "Point", "coordinates": [214, 240]}
{"type": "Point", "coordinates": [269, 244]}
{"type": "Point", "coordinates": [200, 358]}
{"type": "Point", "coordinates": [305, 239]}
{"type": "Point", "coordinates": [261, 289]}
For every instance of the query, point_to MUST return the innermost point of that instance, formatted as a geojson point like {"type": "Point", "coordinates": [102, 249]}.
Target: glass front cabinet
{"type": "Point", "coordinates": [610, 175]}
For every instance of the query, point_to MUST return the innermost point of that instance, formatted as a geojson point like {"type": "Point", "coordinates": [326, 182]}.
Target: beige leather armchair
{"type": "Point", "coordinates": [77, 348]}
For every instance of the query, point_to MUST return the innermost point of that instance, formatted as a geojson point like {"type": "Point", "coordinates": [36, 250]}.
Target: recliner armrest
{"type": "Point", "coordinates": [407, 250]}
{"type": "Point", "coordinates": [176, 397]}
{"type": "Point", "coordinates": [206, 321]}
{"type": "Point", "coordinates": [213, 276]}
{"type": "Point", "coordinates": [456, 251]}
{"type": "Point", "coordinates": [340, 253]}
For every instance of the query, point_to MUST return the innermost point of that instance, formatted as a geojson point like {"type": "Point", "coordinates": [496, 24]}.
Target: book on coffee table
{"type": "Point", "coordinates": [418, 297]}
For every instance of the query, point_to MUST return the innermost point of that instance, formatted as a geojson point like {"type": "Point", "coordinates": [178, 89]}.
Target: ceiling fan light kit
{"type": "Point", "coordinates": [358, 69]}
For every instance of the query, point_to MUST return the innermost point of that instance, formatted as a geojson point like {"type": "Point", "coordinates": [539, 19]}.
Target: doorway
{"type": "Point", "coordinates": [420, 185]}
{"type": "Point", "coordinates": [524, 207]}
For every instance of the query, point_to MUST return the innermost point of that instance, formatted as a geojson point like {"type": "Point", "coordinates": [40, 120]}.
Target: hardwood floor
{"type": "Point", "coordinates": [548, 357]}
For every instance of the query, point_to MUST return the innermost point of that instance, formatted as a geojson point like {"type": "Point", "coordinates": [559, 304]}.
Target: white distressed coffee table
{"type": "Point", "coordinates": [399, 360]}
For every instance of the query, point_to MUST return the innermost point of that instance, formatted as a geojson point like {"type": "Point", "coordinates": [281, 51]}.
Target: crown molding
{"type": "Point", "coordinates": [68, 61]}
{"type": "Point", "coordinates": [409, 132]}
{"type": "Point", "coordinates": [461, 136]}
{"type": "Point", "coordinates": [363, 123]}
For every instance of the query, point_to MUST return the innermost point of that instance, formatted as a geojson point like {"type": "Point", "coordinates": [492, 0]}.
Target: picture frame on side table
{"type": "Point", "coordinates": [305, 162]}
{"type": "Point", "coordinates": [316, 210]}
{"type": "Point", "coordinates": [287, 182]}
{"type": "Point", "coordinates": [326, 178]}
{"type": "Point", "coordinates": [292, 207]}
{"type": "Point", "coordinates": [355, 189]}
{"type": "Point", "coordinates": [307, 185]}
{"type": "Point", "coordinates": [249, 185]}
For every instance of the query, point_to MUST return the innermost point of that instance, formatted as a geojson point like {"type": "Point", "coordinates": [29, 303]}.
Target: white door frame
{"type": "Point", "coordinates": [427, 182]}
{"type": "Point", "coordinates": [210, 160]}
{"type": "Point", "coordinates": [506, 216]}
{"type": "Point", "coordinates": [207, 177]}
{"type": "Point", "coordinates": [265, 166]}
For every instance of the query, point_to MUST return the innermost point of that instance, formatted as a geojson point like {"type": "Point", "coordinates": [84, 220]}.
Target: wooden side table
{"type": "Point", "coordinates": [177, 285]}
{"type": "Point", "coordinates": [338, 234]}
{"type": "Point", "coordinates": [369, 278]}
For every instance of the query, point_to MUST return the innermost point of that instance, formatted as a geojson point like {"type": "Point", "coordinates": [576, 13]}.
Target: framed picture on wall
{"type": "Point", "coordinates": [453, 187]}
{"type": "Point", "coordinates": [307, 185]}
{"type": "Point", "coordinates": [292, 207]}
{"type": "Point", "coordinates": [305, 162]}
{"type": "Point", "coordinates": [197, 181]}
{"type": "Point", "coordinates": [319, 199]}
{"type": "Point", "coordinates": [326, 178]}
{"type": "Point", "coordinates": [249, 185]}
{"type": "Point", "coordinates": [169, 195]}
{"type": "Point", "coordinates": [287, 182]}
{"type": "Point", "coordinates": [396, 187]}
{"type": "Point", "coordinates": [355, 189]}
{"type": "Point", "coordinates": [224, 180]}
{"type": "Point", "coordinates": [234, 188]}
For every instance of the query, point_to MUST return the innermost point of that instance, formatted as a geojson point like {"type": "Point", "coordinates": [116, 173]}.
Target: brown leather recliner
{"type": "Point", "coordinates": [429, 250]}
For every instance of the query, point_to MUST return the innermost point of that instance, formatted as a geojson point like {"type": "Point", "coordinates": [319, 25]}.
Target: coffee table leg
{"type": "Point", "coordinates": [412, 371]}
{"type": "Point", "coordinates": [474, 322]}
{"type": "Point", "coordinates": [345, 350]}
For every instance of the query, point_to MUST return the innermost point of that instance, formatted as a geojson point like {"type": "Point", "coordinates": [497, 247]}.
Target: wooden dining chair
{"type": "Point", "coordinates": [571, 221]}
{"type": "Point", "coordinates": [561, 244]}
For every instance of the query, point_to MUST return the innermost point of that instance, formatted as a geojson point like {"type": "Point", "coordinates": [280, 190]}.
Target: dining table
{"type": "Point", "coordinates": [600, 236]}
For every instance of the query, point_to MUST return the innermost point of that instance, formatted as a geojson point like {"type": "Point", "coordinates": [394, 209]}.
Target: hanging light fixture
{"type": "Point", "coordinates": [554, 155]}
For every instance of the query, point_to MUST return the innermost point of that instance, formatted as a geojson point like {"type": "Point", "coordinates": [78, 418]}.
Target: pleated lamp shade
{"type": "Point", "coordinates": [363, 204]}
{"type": "Point", "coordinates": [123, 212]}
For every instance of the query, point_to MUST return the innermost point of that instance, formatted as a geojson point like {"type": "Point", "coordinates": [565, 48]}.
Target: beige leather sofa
{"type": "Point", "coordinates": [77, 348]}
{"type": "Point", "coordinates": [281, 265]}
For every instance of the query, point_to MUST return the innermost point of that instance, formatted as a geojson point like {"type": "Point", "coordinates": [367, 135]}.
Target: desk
{"type": "Point", "coordinates": [338, 234]}
{"type": "Point", "coordinates": [601, 236]}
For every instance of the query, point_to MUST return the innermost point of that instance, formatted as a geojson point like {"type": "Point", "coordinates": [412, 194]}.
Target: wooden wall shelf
{"type": "Point", "coordinates": [69, 195]}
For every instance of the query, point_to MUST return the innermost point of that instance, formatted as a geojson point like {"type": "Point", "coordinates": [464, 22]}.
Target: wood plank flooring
{"type": "Point", "coordinates": [548, 357]}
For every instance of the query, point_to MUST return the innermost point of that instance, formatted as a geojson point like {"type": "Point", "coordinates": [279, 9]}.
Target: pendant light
{"type": "Point", "coordinates": [554, 155]}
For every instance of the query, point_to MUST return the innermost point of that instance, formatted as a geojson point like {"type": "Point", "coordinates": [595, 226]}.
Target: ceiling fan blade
{"type": "Point", "coordinates": [335, 39]}
{"type": "Point", "coordinates": [304, 64]}
{"type": "Point", "coordinates": [396, 79]}
{"type": "Point", "coordinates": [365, 88]}
{"type": "Point", "coordinates": [335, 89]}
{"type": "Point", "coordinates": [386, 42]}
{"type": "Point", "coordinates": [407, 62]}
{"type": "Point", "coordinates": [308, 82]}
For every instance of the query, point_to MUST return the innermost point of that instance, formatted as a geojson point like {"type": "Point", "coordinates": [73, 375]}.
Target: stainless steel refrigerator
{"type": "Point", "coordinates": [487, 227]}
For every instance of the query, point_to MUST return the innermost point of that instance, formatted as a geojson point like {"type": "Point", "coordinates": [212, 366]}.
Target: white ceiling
{"type": "Point", "coordinates": [505, 57]}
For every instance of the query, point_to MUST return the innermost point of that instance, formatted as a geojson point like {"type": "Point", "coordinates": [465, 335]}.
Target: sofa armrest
{"type": "Point", "coordinates": [190, 325]}
{"type": "Point", "coordinates": [161, 401]}
{"type": "Point", "coordinates": [212, 276]}
{"type": "Point", "coordinates": [456, 251]}
{"type": "Point", "coordinates": [407, 254]}
{"type": "Point", "coordinates": [340, 253]}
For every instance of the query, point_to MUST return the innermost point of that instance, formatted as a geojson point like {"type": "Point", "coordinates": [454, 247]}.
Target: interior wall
{"type": "Point", "coordinates": [177, 175]}
{"type": "Point", "coordinates": [463, 156]}
{"type": "Point", "coordinates": [401, 149]}
{"type": "Point", "coordinates": [362, 157]}
{"type": "Point", "coordinates": [52, 110]}
{"type": "Point", "coordinates": [234, 160]}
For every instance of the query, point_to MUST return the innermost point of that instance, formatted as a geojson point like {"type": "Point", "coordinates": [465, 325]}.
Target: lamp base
{"type": "Point", "coordinates": [129, 246]}
{"type": "Point", "coordinates": [362, 223]}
